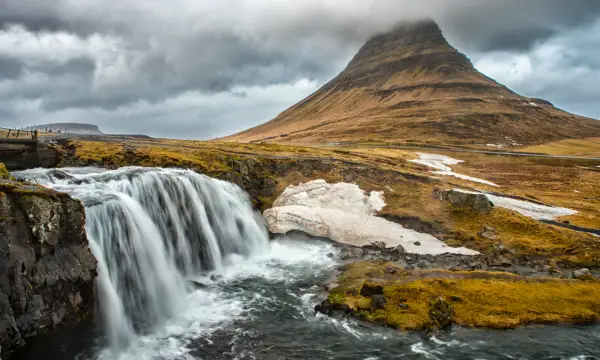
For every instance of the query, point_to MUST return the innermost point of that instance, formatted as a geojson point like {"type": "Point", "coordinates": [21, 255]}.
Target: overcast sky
{"type": "Point", "coordinates": [203, 68]}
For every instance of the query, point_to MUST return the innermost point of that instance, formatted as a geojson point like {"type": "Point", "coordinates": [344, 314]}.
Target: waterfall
{"type": "Point", "coordinates": [151, 229]}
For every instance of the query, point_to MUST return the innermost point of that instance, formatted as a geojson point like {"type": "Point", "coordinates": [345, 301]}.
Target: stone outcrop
{"type": "Point", "coordinates": [475, 201]}
{"type": "Point", "coordinates": [47, 270]}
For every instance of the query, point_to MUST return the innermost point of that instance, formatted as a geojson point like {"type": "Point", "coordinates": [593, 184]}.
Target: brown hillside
{"type": "Point", "coordinates": [411, 85]}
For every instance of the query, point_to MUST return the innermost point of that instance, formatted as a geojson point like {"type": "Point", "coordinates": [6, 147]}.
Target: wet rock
{"type": "Point", "coordinates": [441, 314]}
{"type": "Point", "coordinates": [475, 201]}
{"type": "Point", "coordinates": [378, 302]}
{"type": "Point", "coordinates": [330, 255]}
{"type": "Point", "coordinates": [196, 284]}
{"type": "Point", "coordinates": [328, 308]}
{"type": "Point", "coordinates": [47, 270]}
{"type": "Point", "coordinates": [371, 288]}
{"type": "Point", "coordinates": [304, 284]}
{"type": "Point", "coordinates": [416, 243]}
{"type": "Point", "coordinates": [216, 277]}
{"type": "Point", "coordinates": [324, 307]}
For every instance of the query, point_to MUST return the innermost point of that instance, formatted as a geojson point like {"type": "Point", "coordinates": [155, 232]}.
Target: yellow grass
{"type": "Point", "coordinates": [480, 299]}
{"type": "Point", "coordinates": [407, 187]}
{"type": "Point", "coordinates": [589, 147]}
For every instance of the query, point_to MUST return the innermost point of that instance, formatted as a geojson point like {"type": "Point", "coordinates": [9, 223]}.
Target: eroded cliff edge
{"type": "Point", "coordinates": [47, 270]}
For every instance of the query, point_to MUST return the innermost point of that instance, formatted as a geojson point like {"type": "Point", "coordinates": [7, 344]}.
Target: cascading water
{"type": "Point", "coordinates": [152, 229]}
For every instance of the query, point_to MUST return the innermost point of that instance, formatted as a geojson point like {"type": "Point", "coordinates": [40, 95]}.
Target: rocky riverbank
{"type": "Point", "coordinates": [47, 270]}
{"type": "Point", "coordinates": [418, 292]}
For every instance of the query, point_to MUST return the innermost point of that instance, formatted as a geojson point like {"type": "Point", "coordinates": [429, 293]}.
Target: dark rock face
{"type": "Point", "coordinates": [47, 271]}
{"type": "Point", "coordinates": [369, 289]}
{"type": "Point", "coordinates": [441, 314]}
{"type": "Point", "coordinates": [378, 302]}
{"type": "Point", "coordinates": [18, 154]}
{"type": "Point", "coordinates": [476, 202]}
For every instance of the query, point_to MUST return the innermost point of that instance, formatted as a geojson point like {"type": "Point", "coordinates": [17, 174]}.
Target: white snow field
{"type": "Point", "coordinates": [532, 210]}
{"type": "Point", "coordinates": [344, 213]}
{"type": "Point", "coordinates": [441, 162]}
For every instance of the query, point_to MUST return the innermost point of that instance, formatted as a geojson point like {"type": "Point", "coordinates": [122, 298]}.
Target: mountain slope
{"type": "Point", "coordinates": [411, 85]}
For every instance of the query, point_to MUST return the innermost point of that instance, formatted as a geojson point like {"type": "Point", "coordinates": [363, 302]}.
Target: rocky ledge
{"type": "Point", "coordinates": [433, 300]}
{"type": "Point", "coordinates": [47, 270]}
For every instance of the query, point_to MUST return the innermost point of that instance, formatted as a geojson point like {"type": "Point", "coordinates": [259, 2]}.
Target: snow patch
{"type": "Point", "coordinates": [441, 162]}
{"type": "Point", "coordinates": [343, 213]}
{"type": "Point", "coordinates": [498, 146]}
{"type": "Point", "coordinates": [532, 210]}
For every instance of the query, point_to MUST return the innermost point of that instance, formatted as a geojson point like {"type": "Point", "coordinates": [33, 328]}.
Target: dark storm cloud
{"type": "Point", "coordinates": [516, 24]}
{"type": "Point", "coordinates": [107, 57]}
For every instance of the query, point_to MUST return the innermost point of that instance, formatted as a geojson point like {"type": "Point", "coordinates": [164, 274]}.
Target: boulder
{"type": "Point", "coordinates": [477, 202]}
{"type": "Point", "coordinates": [378, 302]}
{"type": "Point", "coordinates": [583, 274]}
{"type": "Point", "coordinates": [369, 289]}
{"type": "Point", "coordinates": [397, 251]}
{"type": "Point", "coordinates": [47, 270]}
{"type": "Point", "coordinates": [441, 314]}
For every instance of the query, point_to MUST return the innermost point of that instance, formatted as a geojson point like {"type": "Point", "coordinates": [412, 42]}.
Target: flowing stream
{"type": "Point", "coordinates": [186, 271]}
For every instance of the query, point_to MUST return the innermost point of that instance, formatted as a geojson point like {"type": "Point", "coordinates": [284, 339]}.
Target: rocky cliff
{"type": "Point", "coordinates": [411, 85]}
{"type": "Point", "coordinates": [46, 268]}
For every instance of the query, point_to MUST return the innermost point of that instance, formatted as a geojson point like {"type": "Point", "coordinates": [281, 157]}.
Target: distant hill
{"type": "Point", "coordinates": [73, 128]}
{"type": "Point", "coordinates": [411, 85]}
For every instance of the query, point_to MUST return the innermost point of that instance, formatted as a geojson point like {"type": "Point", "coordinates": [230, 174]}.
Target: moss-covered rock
{"type": "Point", "coordinates": [433, 300]}
{"type": "Point", "coordinates": [4, 174]}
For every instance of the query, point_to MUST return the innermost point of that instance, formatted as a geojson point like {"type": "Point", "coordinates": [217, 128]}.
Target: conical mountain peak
{"type": "Point", "coordinates": [411, 85]}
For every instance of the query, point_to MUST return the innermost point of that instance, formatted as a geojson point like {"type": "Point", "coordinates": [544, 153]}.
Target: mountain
{"type": "Point", "coordinates": [73, 128]}
{"type": "Point", "coordinates": [411, 85]}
